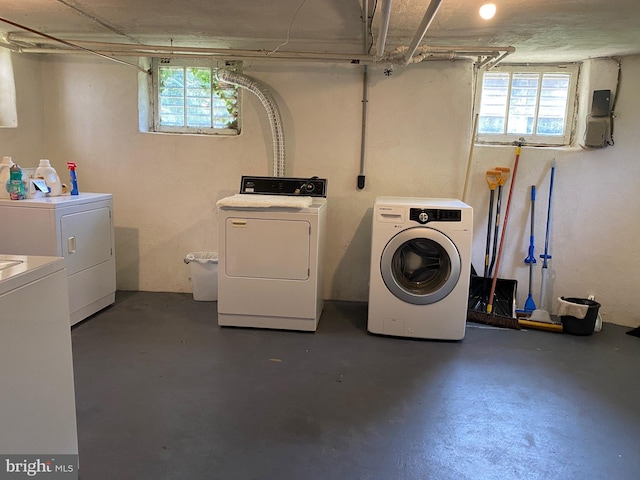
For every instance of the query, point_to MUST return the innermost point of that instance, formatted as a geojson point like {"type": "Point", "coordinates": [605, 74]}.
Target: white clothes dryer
{"type": "Point", "coordinates": [420, 267]}
{"type": "Point", "coordinates": [271, 254]}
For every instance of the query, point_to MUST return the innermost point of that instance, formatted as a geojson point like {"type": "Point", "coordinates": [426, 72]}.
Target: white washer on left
{"type": "Point", "coordinates": [38, 413]}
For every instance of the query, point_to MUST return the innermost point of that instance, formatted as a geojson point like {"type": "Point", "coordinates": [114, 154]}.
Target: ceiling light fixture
{"type": "Point", "coordinates": [488, 10]}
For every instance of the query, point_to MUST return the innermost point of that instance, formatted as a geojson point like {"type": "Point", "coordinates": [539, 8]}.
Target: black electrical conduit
{"type": "Point", "coordinates": [365, 95]}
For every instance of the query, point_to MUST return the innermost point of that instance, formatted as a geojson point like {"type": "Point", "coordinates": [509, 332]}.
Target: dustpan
{"type": "Point", "coordinates": [504, 298]}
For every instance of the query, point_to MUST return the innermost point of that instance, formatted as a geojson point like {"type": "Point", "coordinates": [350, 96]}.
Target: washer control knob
{"type": "Point", "coordinates": [423, 217]}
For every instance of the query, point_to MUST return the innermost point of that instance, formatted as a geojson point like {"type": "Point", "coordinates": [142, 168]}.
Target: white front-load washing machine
{"type": "Point", "coordinates": [420, 267]}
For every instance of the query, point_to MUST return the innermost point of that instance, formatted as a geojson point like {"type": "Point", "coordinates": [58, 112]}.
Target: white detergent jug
{"type": "Point", "coordinates": [5, 172]}
{"type": "Point", "coordinates": [51, 178]}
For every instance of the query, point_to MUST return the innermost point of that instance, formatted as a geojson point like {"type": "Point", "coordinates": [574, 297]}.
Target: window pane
{"type": "Point", "coordinates": [522, 104]}
{"type": "Point", "coordinates": [189, 97]}
{"type": "Point", "coordinates": [553, 104]}
{"type": "Point", "coordinates": [531, 101]}
{"type": "Point", "coordinates": [171, 96]}
{"type": "Point", "coordinates": [199, 97]}
{"type": "Point", "coordinates": [493, 104]}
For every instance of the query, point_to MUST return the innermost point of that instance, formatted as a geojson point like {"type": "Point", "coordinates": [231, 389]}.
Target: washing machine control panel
{"type": "Point", "coordinates": [312, 187]}
{"type": "Point", "coordinates": [425, 215]}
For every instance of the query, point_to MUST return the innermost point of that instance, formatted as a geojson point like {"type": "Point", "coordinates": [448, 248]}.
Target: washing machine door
{"type": "Point", "coordinates": [420, 265]}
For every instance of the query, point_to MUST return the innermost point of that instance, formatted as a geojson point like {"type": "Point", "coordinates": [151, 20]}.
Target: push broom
{"type": "Point", "coordinates": [504, 297]}
{"type": "Point", "coordinates": [490, 318]}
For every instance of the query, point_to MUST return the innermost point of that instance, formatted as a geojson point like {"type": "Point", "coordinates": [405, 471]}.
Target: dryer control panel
{"type": "Point", "coordinates": [425, 215]}
{"type": "Point", "coordinates": [311, 187]}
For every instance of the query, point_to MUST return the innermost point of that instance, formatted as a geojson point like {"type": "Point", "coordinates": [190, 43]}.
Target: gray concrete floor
{"type": "Point", "coordinates": [164, 393]}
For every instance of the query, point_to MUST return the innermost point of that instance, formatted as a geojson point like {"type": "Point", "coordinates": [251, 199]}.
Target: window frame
{"type": "Point", "coordinates": [158, 62]}
{"type": "Point", "coordinates": [567, 138]}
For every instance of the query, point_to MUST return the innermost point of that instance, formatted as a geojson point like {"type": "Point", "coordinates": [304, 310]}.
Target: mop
{"type": "Point", "coordinates": [540, 314]}
{"type": "Point", "coordinates": [530, 304]}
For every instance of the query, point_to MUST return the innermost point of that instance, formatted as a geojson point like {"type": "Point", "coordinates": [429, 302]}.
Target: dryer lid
{"type": "Point", "coordinates": [241, 200]}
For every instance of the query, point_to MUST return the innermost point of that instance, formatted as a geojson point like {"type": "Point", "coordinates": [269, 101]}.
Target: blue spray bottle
{"type": "Point", "coordinates": [74, 179]}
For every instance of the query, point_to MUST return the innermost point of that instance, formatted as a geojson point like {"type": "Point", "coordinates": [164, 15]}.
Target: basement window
{"type": "Point", "coordinates": [536, 103]}
{"type": "Point", "coordinates": [189, 99]}
{"type": "Point", "coordinates": [8, 105]}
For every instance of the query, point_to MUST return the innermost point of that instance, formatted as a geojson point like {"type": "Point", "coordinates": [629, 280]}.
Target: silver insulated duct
{"type": "Point", "coordinates": [267, 100]}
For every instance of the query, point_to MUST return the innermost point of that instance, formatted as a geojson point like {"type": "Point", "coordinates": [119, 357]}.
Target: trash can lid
{"type": "Point", "coordinates": [201, 257]}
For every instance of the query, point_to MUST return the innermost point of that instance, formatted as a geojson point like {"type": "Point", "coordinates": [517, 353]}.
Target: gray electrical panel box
{"type": "Point", "coordinates": [597, 132]}
{"type": "Point", "coordinates": [601, 103]}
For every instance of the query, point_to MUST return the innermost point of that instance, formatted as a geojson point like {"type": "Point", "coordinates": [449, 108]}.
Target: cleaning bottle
{"type": "Point", "coordinates": [51, 178]}
{"type": "Point", "coordinates": [5, 172]}
{"type": "Point", "coordinates": [74, 179]}
{"type": "Point", "coordinates": [15, 187]}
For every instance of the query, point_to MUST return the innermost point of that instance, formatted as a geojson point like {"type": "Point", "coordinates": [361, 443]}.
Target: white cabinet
{"type": "Point", "coordinates": [78, 228]}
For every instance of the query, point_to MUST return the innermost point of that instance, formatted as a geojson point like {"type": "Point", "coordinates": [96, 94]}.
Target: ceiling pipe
{"type": "Point", "coordinates": [22, 43]}
{"type": "Point", "coordinates": [365, 25]}
{"type": "Point", "coordinates": [127, 49]}
{"type": "Point", "coordinates": [492, 63]}
{"type": "Point", "coordinates": [68, 44]}
{"type": "Point", "coordinates": [384, 27]}
{"type": "Point", "coordinates": [441, 54]}
{"type": "Point", "coordinates": [429, 15]}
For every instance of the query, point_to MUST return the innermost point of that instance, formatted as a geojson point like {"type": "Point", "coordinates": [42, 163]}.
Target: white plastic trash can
{"type": "Point", "coordinates": [204, 275]}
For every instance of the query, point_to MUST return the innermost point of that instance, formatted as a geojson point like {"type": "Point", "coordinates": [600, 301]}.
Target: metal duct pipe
{"type": "Point", "coordinates": [429, 15]}
{"type": "Point", "coordinates": [384, 27]}
{"type": "Point", "coordinates": [267, 100]}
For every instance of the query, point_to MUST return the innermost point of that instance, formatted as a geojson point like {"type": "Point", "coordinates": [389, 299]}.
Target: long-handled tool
{"type": "Point", "coordinates": [505, 292]}
{"type": "Point", "coordinates": [504, 176]}
{"type": "Point", "coordinates": [530, 304]}
{"type": "Point", "coordinates": [479, 286]}
{"type": "Point", "coordinates": [489, 317]}
{"type": "Point", "coordinates": [493, 179]}
{"type": "Point", "coordinates": [471, 145]}
{"type": "Point", "coordinates": [540, 314]}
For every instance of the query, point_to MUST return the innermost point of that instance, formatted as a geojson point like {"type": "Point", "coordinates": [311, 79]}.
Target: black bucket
{"type": "Point", "coordinates": [580, 326]}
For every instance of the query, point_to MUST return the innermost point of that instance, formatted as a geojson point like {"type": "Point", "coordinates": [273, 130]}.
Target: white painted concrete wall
{"type": "Point", "coordinates": [166, 187]}
{"type": "Point", "coordinates": [594, 220]}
